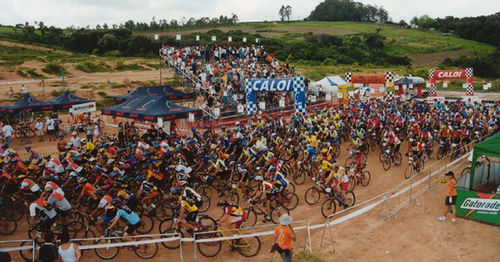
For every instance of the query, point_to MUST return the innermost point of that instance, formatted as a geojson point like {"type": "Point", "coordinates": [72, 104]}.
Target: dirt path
{"type": "Point", "coordinates": [435, 59]}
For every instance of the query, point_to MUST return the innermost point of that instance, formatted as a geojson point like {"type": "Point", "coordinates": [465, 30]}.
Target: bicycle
{"type": "Point", "coordinates": [313, 193]}
{"type": "Point", "coordinates": [330, 207]}
{"type": "Point", "coordinates": [358, 176]}
{"type": "Point", "coordinates": [388, 157]}
{"type": "Point", "coordinates": [255, 208]}
{"type": "Point", "coordinates": [247, 247]}
{"type": "Point", "coordinates": [417, 165]}
{"type": "Point", "coordinates": [203, 223]}
{"type": "Point", "coordinates": [141, 250]}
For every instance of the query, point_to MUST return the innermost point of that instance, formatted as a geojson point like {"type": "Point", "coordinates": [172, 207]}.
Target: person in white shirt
{"type": "Point", "coordinates": [39, 129]}
{"type": "Point", "coordinates": [75, 140]}
{"type": "Point", "coordinates": [7, 133]}
{"type": "Point", "coordinates": [50, 124]}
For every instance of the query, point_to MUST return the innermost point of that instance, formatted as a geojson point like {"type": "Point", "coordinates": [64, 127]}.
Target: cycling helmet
{"type": "Point", "coordinates": [353, 135]}
{"type": "Point", "coordinates": [48, 188]}
{"type": "Point", "coordinates": [223, 202]}
{"type": "Point", "coordinates": [182, 183]}
{"type": "Point", "coordinates": [27, 147]}
{"type": "Point", "coordinates": [99, 192]}
{"type": "Point", "coordinates": [193, 128]}
{"type": "Point", "coordinates": [272, 169]}
{"type": "Point", "coordinates": [324, 150]}
{"type": "Point", "coordinates": [176, 190]}
{"type": "Point", "coordinates": [140, 178]}
{"type": "Point", "coordinates": [259, 178]}
{"type": "Point", "coordinates": [232, 164]}
{"type": "Point", "coordinates": [116, 202]}
{"type": "Point", "coordinates": [213, 146]}
{"type": "Point", "coordinates": [82, 180]}
{"type": "Point", "coordinates": [84, 140]}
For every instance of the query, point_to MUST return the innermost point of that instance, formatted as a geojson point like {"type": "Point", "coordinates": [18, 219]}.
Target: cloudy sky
{"type": "Point", "coordinates": [65, 13]}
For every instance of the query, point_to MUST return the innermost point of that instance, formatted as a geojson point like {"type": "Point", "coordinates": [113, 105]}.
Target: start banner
{"type": "Point", "coordinates": [449, 74]}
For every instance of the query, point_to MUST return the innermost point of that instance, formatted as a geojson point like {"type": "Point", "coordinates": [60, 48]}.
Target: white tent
{"type": "Point", "coordinates": [329, 84]}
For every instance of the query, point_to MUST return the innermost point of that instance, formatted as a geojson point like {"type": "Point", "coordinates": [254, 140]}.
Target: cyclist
{"type": "Point", "coordinates": [338, 180]}
{"type": "Point", "coordinates": [87, 190]}
{"type": "Point", "coordinates": [187, 204]}
{"type": "Point", "coordinates": [233, 215]}
{"type": "Point", "coordinates": [266, 195]}
{"type": "Point", "coordinates": [33, 155]}
{"type": "Point", "coordinates": [48, 214]}
{"type": "Point", "coordinates": [106, 205]}
{"type": "Point", "coordinates": [124, 212]}
{"type": "Point", "coordinates": [57, 200]}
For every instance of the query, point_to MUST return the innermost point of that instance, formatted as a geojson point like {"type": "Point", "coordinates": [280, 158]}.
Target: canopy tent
{"type": "Point", "coordinates": [63, 101]}
{"type": "Point", "coordinates": [489, 147]}
{"type": "Point", "coordinates": [26, 104]}
{"type": "Point", "coordinates": [165, 90]}
{"type": "Point", "coordinates": [415, 79]}
{"type": "Point", "coordinates": [403, 81]}
{"type": "Point", "coordinates": [328, 84]}
{"type": "Point", "coordinates": [150, 108]}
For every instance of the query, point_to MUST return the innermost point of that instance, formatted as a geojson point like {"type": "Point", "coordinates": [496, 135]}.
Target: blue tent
{"type": "Point", "coordinates": [26, 104]}
{"type": "Point", "coordinates": [63, 101]}
{"type": "Point", "coordinates": [165, 90]}
{"type": "Point", "coordinates": [150, 108]}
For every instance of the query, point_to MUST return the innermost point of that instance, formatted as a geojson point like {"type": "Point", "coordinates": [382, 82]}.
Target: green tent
{"type": "Point", "coordinates": [483, 206]}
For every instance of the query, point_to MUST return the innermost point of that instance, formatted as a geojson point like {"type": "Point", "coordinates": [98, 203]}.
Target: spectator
{"type": "Point", "coordinates": [96, 131]}
{"type": "Point", "coordinates": [121, 135]}
{"type": "Point", "coordinates": [42, 85]}
{"type": "Point", "coordinates": [23, 90]}
{"type": "Point", "coordinates": [69, 252]}
{"type": "Point", "coordinates": [75, 140]}
{"type": "Point", "coordinates": [11, 92]}
{"type": "Point", "coordinates": [4, 256]}
{"type": "Point", "coordinates": [51, 129]}
{"type": "Point", "coordinates": [88, 130]}
{"type": "Point", "coordinates": [39, 129]}
{"type": "Point", "coordinates": [451, 197]}
{"type": "Point", "coordinates": [283, 236]}
{"type": "Point", "coordinates": [7, 133]}
{"type": "Point", "coordinates": [48, 251]}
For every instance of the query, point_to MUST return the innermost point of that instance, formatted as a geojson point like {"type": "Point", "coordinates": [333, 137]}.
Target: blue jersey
{"type": "Point", "coordinates": [131, 217]}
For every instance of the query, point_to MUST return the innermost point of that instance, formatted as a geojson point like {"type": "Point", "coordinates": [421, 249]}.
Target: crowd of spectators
{"type": "Point", "coordinates": [220, 72]}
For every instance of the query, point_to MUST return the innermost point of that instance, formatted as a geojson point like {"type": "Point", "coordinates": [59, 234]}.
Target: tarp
{"type": "Point", "coordinates": [26, 104]}
{"type": "Point", "coordinates": [150, 108]}
{"type": "Point", "coordinates": [415, 79]}
{"type": "Point", "coordinates": [63, 101]}
{"type": "Point", "coordinates": [489, 147]}
{"type": "Point", "coordinates": [165, 90]}
{"type": "Point", "coordinates": [403, 81]}
{"type": "Point", "coordinates": [328, 84]}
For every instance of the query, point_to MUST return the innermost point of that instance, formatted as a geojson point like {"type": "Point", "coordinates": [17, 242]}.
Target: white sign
{"type": "Point", "coordinates": [160, 122]}
{"type": "Point", "coordinates": [262, 105]}
{"type": "Point", "coordinates": [83, 108]}
{"type": "Point", "coordinates": [329, 96]}
{"type": "Point", "coordinates": [216, 112]}
{"type": "Point", "coordinates": [241, 109]}
{"type": "Point", "coordinates": [428, 85]}
{"type": "Point", "coordinates": [410, 86]}
{"type": "Point", "coordinates": [436, 98]}
{"type": "Point", "coordinates": [404, 87]}
{"type": "Point", "coordinates": [372, 90]}
{"type": "Point", "coordinates": [230, 39]}
{"type": "Point", "coordinates": [244, 39]}
{"type": "Point", "coordinates": [282, 102]}
{"type": "Point", "coordinates": [464, 85]}
{"type": "Point", "coordinates": [178, 37]}
{"type": "Point", "coordinates": [472, 99]}
{"type": "Point", "coordinates": [481, 204]}
{"type": "Point", "coordinates": [197, 37]}
{"type": "Point", "coordinates": [214, 38]}
{"type": "Point", "coordinates": [191, 117]}
{"type": "Point", "coordinates": [381, 89]}
{"type": "Point", "coordinates": [357, 85]}
{"type": "Point", "coordinates": [257, 40]}
{"type": "Point", "coordinates": [340, 95]}
{"type": "Point", "coordinates": [485, 87]}
{"type": "Point", "coordinates": [445, 84]}
{"type": "Point", "coordinates": [313, 99]}
{"type": "Point", "coordinates": [157, 37]}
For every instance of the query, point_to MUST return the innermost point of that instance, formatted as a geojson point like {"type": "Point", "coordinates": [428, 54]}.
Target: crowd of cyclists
{"type": "Point", "coordinates": [251, 170]}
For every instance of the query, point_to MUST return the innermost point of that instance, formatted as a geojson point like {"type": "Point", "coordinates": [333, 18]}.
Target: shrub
{"type": "Point", "coordinates": [53, 68]}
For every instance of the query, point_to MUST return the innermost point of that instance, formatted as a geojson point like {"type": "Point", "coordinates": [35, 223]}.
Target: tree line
{"type": "Point", "coordinates": [348, 10]}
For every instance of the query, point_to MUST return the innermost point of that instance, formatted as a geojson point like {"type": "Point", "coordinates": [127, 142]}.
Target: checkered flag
{"type": "Point", "coordinates": [432, 91]}
{"type": "Point", "coordinates": [348, 77]}
{"type": "Point", "coordinates": [389, 96]}
{"type": "Point", "coordinates": [389, 77]}
{"type": "Point", "coordinates": [469, 90]}
{"type": "Point", "coordinates": [431, 73]}
{"type": "Point", "coordinates": [469, 72]}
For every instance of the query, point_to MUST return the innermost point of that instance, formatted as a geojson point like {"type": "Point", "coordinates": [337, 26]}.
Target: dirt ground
{"type": "Point", "coordinates": [435, 59]}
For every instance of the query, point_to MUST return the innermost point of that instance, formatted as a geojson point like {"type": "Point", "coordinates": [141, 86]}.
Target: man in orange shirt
{"type": "Point", "coordinates": [451, 197]}
{"type": "Point", "coordinates": [283, 236]}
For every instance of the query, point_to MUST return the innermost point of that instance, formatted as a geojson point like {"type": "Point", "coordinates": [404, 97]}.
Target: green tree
{"type": "Point", "coordinates": [425, 21]}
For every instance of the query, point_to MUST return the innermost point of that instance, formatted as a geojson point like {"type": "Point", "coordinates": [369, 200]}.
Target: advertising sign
{"type": "Point", "coordinates": [479, 206]}
{"type": "Point", "coordinates": [368, 78]}
{"type": "Point", "coordinates": [83, 108]}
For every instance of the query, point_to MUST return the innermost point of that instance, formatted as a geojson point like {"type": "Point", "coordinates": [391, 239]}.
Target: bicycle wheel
{"type": "Point", "coordinates": [398, 159]}
{"type": "Point", "coordinates": [352, 183]}
{"type": "Point", "coordinates": [147, 224]}
{"type": "Point", "coordinates": [381, 154]}
{"type": "Point", "coordinates": [167, 227]}
{"type": "Point", "coordinates": [312, 196]}
{"type": "Point", "coordinates": [7, 226]}
{"type": "Point", "coordinates": [89, 233]}
{"type": "Point", "coordinates": [206, 202]}
{"type": "Point", "coordinates": [348, 162]}
{"type": "Point", "coordinates": [365, 178]}
{"type": "Point", "coordinates": [420, 165]}
{"type": "Point", "coordinates": [328, 207]}
{"type": "Point", "coordinates": [291, 187]}
{"type": "Point", "coordinates": [440, 153]}
{"type": "Point", "coordinates": [146, 250]}
{"type": "Point", "coordinates": [408, 171]}
{"type": "Point", "coordinates": [163, 211]}
{"type": "Point", "coordinates": [350, 198]}
{"type": "Point", "coordinates": [27, 254]}
{"type": "Point", "coordinates": [291, 201]}
{"type": "Point", "coordinates": [251, 218]}
{"type": "Point", "coordinates": [336, 150]}
{"type": "Point", "coordinates": [386, 162]}
{"type": "Point", "coordinates": [208, 191]}
{"type": "Point", "coordinates": [300, 176]}
{"type": "Point", "coordinates": [210, 248]}
{"type": "Point", "coordinates": [277, 212]}
{"type": "Point", "coordinates": [15, 211]}
{"type": "Point", "coordinates": [106, 253]}
{"type": "Point", "coordinates": [248, 247]}
{"type": "Point", "coordinates": [234, 197]}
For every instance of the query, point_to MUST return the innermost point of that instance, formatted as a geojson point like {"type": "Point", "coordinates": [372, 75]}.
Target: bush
{"type": "Point", "coordinates": [89, 67]}
{"type": "Point", "coordinates": [56, 93]}
{"type": "Point", "coordinates": [34, 74]}
{"type": "Point", "coordinates": [120, 66]}
{"type": "Point", "coordinates": [21, 73]}
{"type": "Point", "coordinates": [53, 68]}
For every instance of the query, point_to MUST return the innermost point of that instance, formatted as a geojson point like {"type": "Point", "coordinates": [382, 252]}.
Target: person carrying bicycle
{"type": "Point", "coordinates": [126, 214]}
{"type": "Point", "coordinates": [233, 215]}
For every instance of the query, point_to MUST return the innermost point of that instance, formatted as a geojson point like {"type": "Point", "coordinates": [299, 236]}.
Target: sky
{"type": "Point", "coordinates": [80, 13]}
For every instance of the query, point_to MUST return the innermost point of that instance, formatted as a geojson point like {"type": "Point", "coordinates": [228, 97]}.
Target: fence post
{"type": "Point", "coordinates": [430, 174]}
{"type": "Point", "coordinates": [411, 182]}
{"type": "Point", "coordinates": [180, 246]}
{"type": "Point", "coordinates": [309, 236]}
{"type": "Point", "coordinates": [34, 250]}
{"type": "Point", "coordinates": [195, 248]}
{"type": "Point", "coordinates": [387, 197]}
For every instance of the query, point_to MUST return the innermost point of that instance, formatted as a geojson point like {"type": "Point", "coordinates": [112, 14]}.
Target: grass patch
{"type": "Point", "coordinates": [90, 67]}
{"type": "Point", "coordinates": [22, 74]}
{"type": "Point", "coordinates": [34, 74]}
{"type": "Point", "coordinates": [93, 86]}
{"type": "Point", "coordinates": [154, 66]}
{"type": "Point", "coordinates": [53, 68]}
{"type": "Point", "coordinates": [55, 83]}
{"type": "Point", "coordinates": [56, 93]}
{"type": "Point", "coordinates": [121, 66]}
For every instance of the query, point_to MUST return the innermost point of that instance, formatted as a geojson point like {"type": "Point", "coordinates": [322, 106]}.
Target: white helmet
{"type": "Point", "coordinates": [259, 178]}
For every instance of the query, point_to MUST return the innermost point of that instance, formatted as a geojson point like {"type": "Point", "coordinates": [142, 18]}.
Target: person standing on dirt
{"type": "Point", "coordinates": [23, 90]}
{"type": "Point", "coordinates": [283, 237]}
{"type": "Point", "coordinates": [451, 197]}
{"type": "Point", "coordinates": [39, 129]}
{"type": "Point", "coordinates": [42, 85]}
{"type": "Point", "coordinates": [50, 124]}
{"type": "Point", "coordinates": [7, 133]}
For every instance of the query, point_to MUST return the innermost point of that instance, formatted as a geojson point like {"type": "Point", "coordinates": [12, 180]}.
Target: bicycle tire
{"type": "Point", "coordinates": [291, 188]}
{"type": "Point", "coordinates": [257, 244]}
{"type": "Point", "coordinates": [292, 201]}
{"type": "Point", "coordinates": [328, 207]}
{"type": "Point", "coordinates": [206, 202]}
{"type": "Point", "coordinates": [386, 162]}
{"type": "Point", "coordinates": [352, 183]}
{"type": "Point", "coordinates": [205, 189]}
{"type": "Point", "coordinates": [277, 212]}
{"type": "Point", "coordinates": [30, 132]}
{"type": "Point", "coordinates": [365, 178]}
{"type": "Point", "coordinates": [408, 171]}
{"type": "Point", "coordinates": [89, 233]}
{"type": "Point", "coordinates": [234, 197]}
{"type": "Point", "coordinates": [27, 254]}
{"type": "Point", "coordinates": [10, 228]}
{"type": "Point", "coordinates": [205, 247]}
{"type": "Point", "coordinates": [300, 176]}
{"type": "Point", "coordinates": [350, 198]}
{"type": "Point", "coordinates": [440, 153]}
{"type": "Point", "coordinates": [398, 159]}
{"type": "Point", "coordinates": [19, 133]}
{"type": "Point", "coordinates": [251, 219]}
{"type": "Point", "coordinates": [166, 226]}
{"type": "Point", "coordinates": [147, 224]}
{"type": "Point", "coordinates": [153, 246]}
{"type": "Point", "coordinates": [348, 162]}
{"type": "Point", "coordinates": [103, 252]}
{"type": "Point", "coordinates": [465, 171]}
{"type": "Point", "coordinates": [312, 196]}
